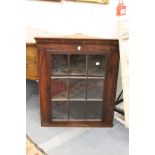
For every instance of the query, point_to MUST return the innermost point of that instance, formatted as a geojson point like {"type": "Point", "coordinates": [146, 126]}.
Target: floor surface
{"type": "Point", "coordinates": [72, 141]}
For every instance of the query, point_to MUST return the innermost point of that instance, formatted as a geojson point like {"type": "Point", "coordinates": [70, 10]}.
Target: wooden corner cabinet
{"type": "Point", "coordinates": [77, 81]}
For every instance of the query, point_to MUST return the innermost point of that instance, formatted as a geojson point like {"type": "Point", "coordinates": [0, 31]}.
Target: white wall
{"type": "Point", "coordinates": [52, 18]}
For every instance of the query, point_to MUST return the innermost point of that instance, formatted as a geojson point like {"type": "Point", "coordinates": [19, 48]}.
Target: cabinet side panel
{"type": "Point", "coordinates": [110, 86]}
{"type": "Point", "coordinates": [44, 86]}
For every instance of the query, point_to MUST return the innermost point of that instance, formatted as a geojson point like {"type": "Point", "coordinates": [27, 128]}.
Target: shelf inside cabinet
{"type": "Point", "coordinates": [60, 99]}
{"type": "Point", "coordinates": [77, 77]}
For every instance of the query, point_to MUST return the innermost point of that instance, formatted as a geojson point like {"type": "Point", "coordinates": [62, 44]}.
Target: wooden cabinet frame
{"type": "Point", "coordinates": [50, 46]}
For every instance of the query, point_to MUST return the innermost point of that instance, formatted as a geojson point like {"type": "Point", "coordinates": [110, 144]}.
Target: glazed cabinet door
{"type": "Point", "coordinates": [77, 88]}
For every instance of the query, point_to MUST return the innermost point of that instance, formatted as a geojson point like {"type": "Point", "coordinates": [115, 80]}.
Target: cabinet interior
{"type": "Point", "coordinates": [77, 84]}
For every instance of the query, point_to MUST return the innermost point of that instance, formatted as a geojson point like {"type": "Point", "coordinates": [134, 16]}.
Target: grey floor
{"type": "Point", "coordinates": [72, 141]}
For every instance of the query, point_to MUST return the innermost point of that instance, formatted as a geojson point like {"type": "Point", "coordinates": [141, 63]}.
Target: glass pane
{"type": "Point", "coordinates": [59, 65]}
{"type": "Point", "coordinates": [59, 110]}
{"type": "Point", "coordinates": [77, 65]}
{"type": "Point", "coordinates": [59, 89]}
{"type": "Point", "coordinates": [76, 110]}
{"type": "Point", "coordinates": [95, 89]}
{"type": "Point", "coordinates": [77, 88]}
{"type": "Point", "coordinates": [94, 110]}
{"type": "Point", "coordinates": [96, 65]}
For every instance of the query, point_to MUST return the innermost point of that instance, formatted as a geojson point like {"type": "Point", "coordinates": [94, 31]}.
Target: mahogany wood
{"type": "Point", "coordinates": [48, 46]}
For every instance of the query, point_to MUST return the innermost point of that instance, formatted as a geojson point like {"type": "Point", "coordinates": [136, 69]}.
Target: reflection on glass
{"type": "Point", "coordinates": [96, 65]}
{"type": "Point", "coordinates": [77, 65]}
{"type": "Point", "coordinates": [76, 110]}
{"type": "Point", "coordinates": [59, 65]}
{"type": "Point", "coordinates": [77, 88]}
{"type": "Point", "coordinates": [59, 89]}
{"type": "Point", "coordinates": [59, 110]}
{"type": "Point", "coordinates": [77, 96]}
{"type": "Point", "coordinates": [94, 110]}
{"type": "Point", "coordinates": [95, 89]}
